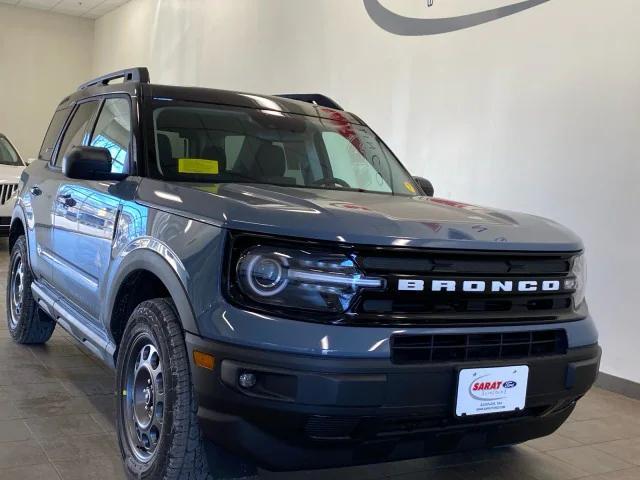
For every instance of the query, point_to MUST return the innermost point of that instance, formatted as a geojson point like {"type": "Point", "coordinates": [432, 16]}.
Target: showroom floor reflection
{"type": "Point", "coordinates": [57, 422]}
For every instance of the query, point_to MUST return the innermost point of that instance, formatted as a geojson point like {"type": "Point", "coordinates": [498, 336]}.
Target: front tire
{"type": "Point", "coordinates": [157, 424]}
{"type": "Point", "coordinates": [27, 323]}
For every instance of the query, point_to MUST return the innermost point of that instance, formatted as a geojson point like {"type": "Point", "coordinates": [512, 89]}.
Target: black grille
{"type": "Point", "coordinates": [335, 428]}
{"type": "Point", "coordinates": [461, 304]}
{"type": "Point", "coordinates": [466, 264]}
{"type": "Point", "coordinates": [395, 307]}
{"type": "Point", "coordinates": [6, 191]}
{"type": "Point", "coordinates": [362, 428]}
{"type": "Point", "coordinates": [477, 347]}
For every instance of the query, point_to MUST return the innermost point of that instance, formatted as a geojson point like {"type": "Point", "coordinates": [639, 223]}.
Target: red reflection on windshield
{"type": "Point", "coordinates": [345, 128]}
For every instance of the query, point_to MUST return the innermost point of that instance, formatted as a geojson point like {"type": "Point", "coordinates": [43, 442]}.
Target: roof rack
{"type": "Point", "coordinates": [315, 98]}
{"type": "Point", "coordinates": [137, 74]}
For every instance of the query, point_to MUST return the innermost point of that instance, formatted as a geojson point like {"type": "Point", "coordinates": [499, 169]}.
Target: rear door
{"type": "Point", "coordinates": [36, 204]}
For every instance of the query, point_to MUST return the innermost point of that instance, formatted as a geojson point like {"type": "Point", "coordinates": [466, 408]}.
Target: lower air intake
{"type": "Point", "coordinates": [476, 347]}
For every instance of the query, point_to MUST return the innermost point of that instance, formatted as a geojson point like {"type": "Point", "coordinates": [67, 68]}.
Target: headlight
{"type": "Point", "coordinates": [298, 278]}
{"type": "Point", "coordinates": [579, 279]}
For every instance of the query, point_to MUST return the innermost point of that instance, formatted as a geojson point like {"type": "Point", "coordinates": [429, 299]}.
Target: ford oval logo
{"type": "Point", "coordinates": [509, 384]}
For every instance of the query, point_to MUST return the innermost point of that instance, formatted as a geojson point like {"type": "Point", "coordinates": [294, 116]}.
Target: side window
{"type": "Point", "coordinates": [53, 132]}
{"type": "Point", "coordinates": [76, 130]}
{"type": "Point", "coordinates": [113, 132]}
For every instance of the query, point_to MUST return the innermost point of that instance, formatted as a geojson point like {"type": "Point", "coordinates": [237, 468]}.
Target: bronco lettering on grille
{"type": "Point", "coordinates": [480, 286]}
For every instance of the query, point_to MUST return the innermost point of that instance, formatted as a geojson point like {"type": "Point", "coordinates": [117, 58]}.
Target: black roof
{"type": "Point", "coordinates": [250, 100]}
{"type": "Point", "coordinates": [135, 82]}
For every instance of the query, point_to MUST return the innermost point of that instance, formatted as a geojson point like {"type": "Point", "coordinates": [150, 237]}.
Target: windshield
{"type": "Point", "coordinates": [8, 155]}
{"type": "Point", "coordinates": [214, 144]}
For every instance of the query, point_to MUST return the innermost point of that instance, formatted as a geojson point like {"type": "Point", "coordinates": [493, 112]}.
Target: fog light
{"type": "Point", "coordinates": [247, 380]}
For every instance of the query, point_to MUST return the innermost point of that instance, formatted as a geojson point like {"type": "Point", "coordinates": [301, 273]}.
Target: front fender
{"type": "Point", "coordinates": [18, 215]}
{"type": "Point", "coordinates": [158, 259]}
{"type": "Point", "coordinates": [183, 253]}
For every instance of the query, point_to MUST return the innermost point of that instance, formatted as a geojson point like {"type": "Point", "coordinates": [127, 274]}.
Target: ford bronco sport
{"type": "Point", "coordinates": [268, 280]}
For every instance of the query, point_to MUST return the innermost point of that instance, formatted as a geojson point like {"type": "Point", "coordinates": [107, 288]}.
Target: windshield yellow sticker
{"type": "Point", "coordinates": [410, 187]}
{"type": "Point", "coordinates": [198, 165]}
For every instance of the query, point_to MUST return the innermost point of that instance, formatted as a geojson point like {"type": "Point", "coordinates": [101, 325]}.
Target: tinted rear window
{"type": "Point", "coordinates": [55, 127]}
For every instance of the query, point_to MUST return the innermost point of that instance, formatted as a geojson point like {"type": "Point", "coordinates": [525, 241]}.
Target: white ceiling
{"type": "Point", "coordinates": [79, 8]}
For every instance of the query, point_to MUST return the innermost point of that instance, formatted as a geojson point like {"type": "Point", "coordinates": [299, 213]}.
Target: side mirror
{"type": "Point", "coordinates": [89, 163]}
{"type": "Point", "coordinates": [29, 161]}
{"type": "Point", "coordinates": [425, 185]}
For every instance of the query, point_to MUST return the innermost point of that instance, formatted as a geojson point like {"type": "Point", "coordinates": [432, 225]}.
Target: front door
{"type": "Point", "coordinates": [87, 211]}
{"type": "Point", "coordinates": [65, 201]}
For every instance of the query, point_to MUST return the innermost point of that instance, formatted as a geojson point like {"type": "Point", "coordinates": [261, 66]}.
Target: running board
{"type": "Point", "coordinates": [77, 325]}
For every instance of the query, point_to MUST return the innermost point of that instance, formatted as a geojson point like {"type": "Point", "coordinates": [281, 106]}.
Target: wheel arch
{"type": "Point", "coordinates": [15, 231]}
{"type": "Point", "coordinates": [144, 274]}
{"type": "Point", "coordinates": [18, 226]}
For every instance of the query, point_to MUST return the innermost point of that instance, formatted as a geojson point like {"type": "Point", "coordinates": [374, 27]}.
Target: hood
{"type": "Point", "coordinates": [357, 218]}
{"type": "Point", "coordinates": [10, 173]}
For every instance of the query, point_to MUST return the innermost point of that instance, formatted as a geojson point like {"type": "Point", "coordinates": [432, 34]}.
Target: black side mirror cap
{"type": "Point", "coordinates": [89, 163]}
{"type": "Point", "coordinates": [425, 185]}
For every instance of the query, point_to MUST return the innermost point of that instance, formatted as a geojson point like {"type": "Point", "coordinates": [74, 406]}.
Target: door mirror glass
{"type": "Point", "coordinates": [425, 185]}
{"type": "Point", "coordinates": [89, 163]}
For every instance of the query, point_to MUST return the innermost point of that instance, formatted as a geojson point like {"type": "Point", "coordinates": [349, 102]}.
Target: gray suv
{"type": "Point", "coordinates": [270, 284]}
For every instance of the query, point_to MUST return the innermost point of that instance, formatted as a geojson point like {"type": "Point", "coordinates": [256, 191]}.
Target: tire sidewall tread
{"type": "Point", "coordinates": [34, 326]}
{"type": "Point", "coordinates": [180, 454]}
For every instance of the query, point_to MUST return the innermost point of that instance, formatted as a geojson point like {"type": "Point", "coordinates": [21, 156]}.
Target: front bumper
{"type": "Point", "coordinates": [319, 412]}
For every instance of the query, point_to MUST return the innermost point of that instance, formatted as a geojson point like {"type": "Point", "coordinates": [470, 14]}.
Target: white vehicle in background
{"type": "Point", "coordinates": [11, 167]}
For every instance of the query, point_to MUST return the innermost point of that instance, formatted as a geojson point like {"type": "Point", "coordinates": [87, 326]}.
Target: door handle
{"type": "Point", "coordinates": [35, 190]}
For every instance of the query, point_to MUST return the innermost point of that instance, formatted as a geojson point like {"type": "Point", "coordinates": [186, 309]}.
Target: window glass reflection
{"type": "Point", "coordinates": [113, 132]}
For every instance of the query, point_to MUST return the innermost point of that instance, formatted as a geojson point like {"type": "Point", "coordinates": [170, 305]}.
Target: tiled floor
{"type": "Point", "coordinates": [56, 422]}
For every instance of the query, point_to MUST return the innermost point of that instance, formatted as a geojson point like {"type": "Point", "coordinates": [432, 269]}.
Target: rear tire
{"type": "Point", "coordinates": [27, 323]}
{"type": "Point", "coordinates": [157, 425]}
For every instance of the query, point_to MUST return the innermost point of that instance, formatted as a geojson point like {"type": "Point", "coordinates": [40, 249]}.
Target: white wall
{"type": "Point", "coordinates": [537, 112]}
{"type": "Point", "coordinates": [43, 57]}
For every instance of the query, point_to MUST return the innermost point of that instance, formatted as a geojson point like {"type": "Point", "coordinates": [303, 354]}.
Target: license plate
{"type": "Point", "coordinates": [482, 391]}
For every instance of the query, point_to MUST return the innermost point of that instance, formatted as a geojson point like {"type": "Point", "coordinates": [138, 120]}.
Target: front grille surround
{"type": "Point", "coordinates": [396, 308]}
